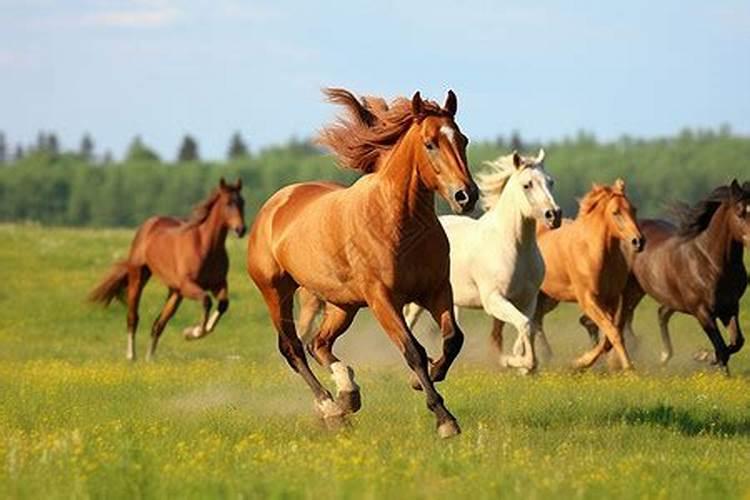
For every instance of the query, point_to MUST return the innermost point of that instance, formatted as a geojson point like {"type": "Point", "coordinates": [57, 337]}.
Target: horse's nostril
{"type": "Point", "coordinates": [549, 214]}
{"type": "Point", "coordinates": [461, 197]}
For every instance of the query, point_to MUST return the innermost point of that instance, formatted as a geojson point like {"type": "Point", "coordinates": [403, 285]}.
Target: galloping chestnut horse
{"type": "Point", "coordinates": [189, 257]}
{"type": "Point", "coordinates": [377, 243]}
{"type": "Point", "coordinates": [585, 264]}
{"type": "Point", "coordinates": [696, 268]}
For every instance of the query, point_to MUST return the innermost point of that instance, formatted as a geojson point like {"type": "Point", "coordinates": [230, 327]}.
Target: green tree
{"type": "Point", "coordinates": [87, 148]}
{"type": "Point", "coordinates": [188, 150]}
{"type": "Point", "coordinates": [139, 152]}
{"type": "Point", "coordinates": [237, 147]}
{"type": "Point", "coordinates": [3, 149]}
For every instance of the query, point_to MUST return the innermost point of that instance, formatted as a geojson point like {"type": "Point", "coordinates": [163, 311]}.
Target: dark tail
{"type": "Point", "coordinates": [112, 286]}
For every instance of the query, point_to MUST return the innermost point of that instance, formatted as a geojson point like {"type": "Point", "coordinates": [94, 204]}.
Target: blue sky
{"type": "Point", "coordinates": [162, 68]}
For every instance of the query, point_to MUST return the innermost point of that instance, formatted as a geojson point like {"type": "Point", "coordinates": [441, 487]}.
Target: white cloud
{"type": "Point", "coordinates": [154, 17]}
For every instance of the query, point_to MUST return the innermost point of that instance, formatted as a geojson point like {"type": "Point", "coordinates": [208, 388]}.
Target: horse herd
{"type": "Point", "coordinates": [380, 244]}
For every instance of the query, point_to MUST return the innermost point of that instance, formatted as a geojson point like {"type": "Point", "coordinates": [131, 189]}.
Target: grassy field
{"type": "Point", "coordinates": [225, 416]}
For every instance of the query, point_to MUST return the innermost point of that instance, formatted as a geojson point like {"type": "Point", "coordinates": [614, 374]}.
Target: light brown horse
{"type": "Point", "coordinates": [375, 244]}
{"type": "Point", "coordinates": [189, 257]}
{"type": "Point", "coordinates": [585, 264]}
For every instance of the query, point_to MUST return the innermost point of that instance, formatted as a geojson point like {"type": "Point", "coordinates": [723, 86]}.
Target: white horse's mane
{"type": "Point", "coordinates": [492, 181]}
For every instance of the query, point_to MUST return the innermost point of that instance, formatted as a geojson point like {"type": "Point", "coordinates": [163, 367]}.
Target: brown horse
{"type": "Point", "coordinates": [585, 264]}
{"type": "Point", "coordinates": [375, 244]}
{"type": "Point", "coordinates": [695, 268]}
{"type": "Point", "coordinates": [189, 257]}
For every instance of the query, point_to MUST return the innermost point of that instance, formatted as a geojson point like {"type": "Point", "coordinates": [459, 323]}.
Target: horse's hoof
{"type": "Point", "coordinates": [349, 401]}
{"type": "Point", "coordinates": [448, 429]}
{"type": "Point", "coordinates": [335, 423]}
{"type": "Point", "coordinates": [664, 358]}
{"type": "Point", "coordinates": [328, 409]}
{"type": "Point", "coordinates": [192, 332]}
{"type": "Point", "coordinates": [704, 356]}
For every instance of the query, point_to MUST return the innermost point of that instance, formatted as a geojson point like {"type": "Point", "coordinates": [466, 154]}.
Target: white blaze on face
{"type": "Point", "coordinates": [449, 133]}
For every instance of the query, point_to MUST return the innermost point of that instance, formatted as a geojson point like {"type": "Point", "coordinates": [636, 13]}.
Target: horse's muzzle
{"type": "Point", "coordinates": [553, 218]}
{"type": "Point", "coordinates": [466, 198]}
{"type": "Point", "coordinates": [638, 244]}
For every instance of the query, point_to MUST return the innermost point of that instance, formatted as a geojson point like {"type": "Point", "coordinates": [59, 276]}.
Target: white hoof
{"type": "Point", "coordinates": [192, 332]}
{"type": "Point", "coordinates": [448, 429]}
{"type": "Point", "coordinates": [329, 409]}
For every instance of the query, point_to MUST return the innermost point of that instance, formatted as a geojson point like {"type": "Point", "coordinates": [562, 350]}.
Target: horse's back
{"type": "Point", "coordinates": [148, 232]}
{"type": "Point", "coordinates": [274, 220]}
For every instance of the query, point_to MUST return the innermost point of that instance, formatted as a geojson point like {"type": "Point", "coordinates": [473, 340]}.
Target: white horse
{"type": "Point", "coordinates": [495, 262]}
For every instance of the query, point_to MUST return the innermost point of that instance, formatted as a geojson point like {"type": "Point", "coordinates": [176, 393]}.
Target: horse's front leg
{"type": "Point", "coordinates": [523, 356]}
{"type": "Point", "coordinates": [604, 318]}
{"type": "Point", "coordinates": [192, 290]}
{"type": "Point", "coordinates": [444, 313]}
{"type": "Point", "coordinates": [389, 314]}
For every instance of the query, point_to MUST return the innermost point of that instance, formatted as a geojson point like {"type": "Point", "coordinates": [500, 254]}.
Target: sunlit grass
{"type": "Point", "coordinates": [226, 417]}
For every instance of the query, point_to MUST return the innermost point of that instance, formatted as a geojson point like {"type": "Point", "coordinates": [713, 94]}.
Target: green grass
{"type": "Point", "coordinates": [225, 416]}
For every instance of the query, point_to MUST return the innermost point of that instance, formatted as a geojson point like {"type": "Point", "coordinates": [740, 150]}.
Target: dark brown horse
{"type": "Point", "coordinates": [695, 268]}
{"type": "Point", "coordinates": [189, 257]}
{"type": "Point", "coordinates": [377, 243]}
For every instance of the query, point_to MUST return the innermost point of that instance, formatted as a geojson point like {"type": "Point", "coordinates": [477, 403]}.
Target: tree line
{"type": "Point", "coordinates": [79, 188]}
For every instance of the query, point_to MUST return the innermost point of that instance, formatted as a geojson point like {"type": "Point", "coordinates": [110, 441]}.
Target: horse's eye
{"type": "Point", "coordinates": [430, 146]}
{"type": "Point", "coordinates": [551, 182]}
{"type": "Point", "coordinates": [527, 185]}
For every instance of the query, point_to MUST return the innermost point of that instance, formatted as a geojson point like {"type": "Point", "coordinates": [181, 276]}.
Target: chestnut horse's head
{"type": "Point", "coordinates": [739, 218]}
{"type": "Point", "coordinates": [441, 153]}
{"type": "Point", "coordinates": [232, 206]}
{"type": "Point", "coordinates": [617, 211]}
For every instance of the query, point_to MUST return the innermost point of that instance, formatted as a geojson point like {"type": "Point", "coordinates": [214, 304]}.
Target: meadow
{"type": "Point", "coordinates": [226, 417]}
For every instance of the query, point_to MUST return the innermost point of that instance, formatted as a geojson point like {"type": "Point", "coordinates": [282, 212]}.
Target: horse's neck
{"type": "Point", "coordinates": [212, 232]}
{"type": "Point", "coordinates": [602, 244]}
{"type": "Point", "coordinates": [402, 196]}
{"type": "Point", "coordinates": [717, 242]}
{"type": "Point", "coordinates": [506, 220]}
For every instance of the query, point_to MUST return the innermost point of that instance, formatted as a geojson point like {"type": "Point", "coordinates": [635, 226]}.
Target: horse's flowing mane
{"type": "Point", "coordinates": [202, 210]}
{"type": "Point", "coordinates": [693, 220]}
{"type": "Point", "coordinates": [370, 128]}
{"type": "Point", "coordinates": [493, 180]}
{"type": "Point", "coordinates": [593, 198]}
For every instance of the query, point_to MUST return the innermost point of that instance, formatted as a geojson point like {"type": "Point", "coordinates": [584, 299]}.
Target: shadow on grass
{"type": "Point", "coordinates": [689, 424]}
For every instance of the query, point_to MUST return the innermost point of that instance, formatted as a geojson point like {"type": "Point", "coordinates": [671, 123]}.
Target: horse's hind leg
{"type": "Point", "coordinates": [279, 298]}
{"type": "Point", "coordinates": [496, 335]}
{"type": "Point", "coordinates": [544, 304]}
{"type": "Point", "coordinates": [309, 307]}
{"type": "Point", "coordinates": [137, 278]}
{"type": "Point", "coordinates": [664, 314]}
{"type": "Point", "coordinates": [170, 307]}
{"type": "Point", "coordinates": [335, 323]}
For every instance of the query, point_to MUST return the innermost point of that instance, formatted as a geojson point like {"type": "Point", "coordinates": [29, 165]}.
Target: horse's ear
{"type": "Point", "coordinates": [517, 160]}
{"type": "Point", "coordinates": [540, 156]}
{"type": "Point", "coordinates": [417, 106]}
{"type": "Point", "coordinates": [735, 190]}
{"type": "Point", "coordinates": [619, 185]}
{"type": "Point", "coordinates": [222, 183]}
{"type": "Point", "coordinates": [238, 184]}
{"type": "Point", "coordinates": [451, 103]}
